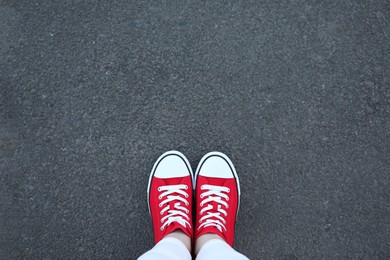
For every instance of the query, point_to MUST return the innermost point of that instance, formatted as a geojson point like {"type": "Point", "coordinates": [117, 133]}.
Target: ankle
{"type": "Point", "coordinates": [182, 237]}
{"type": "Point", "coordinates": [203, 239]}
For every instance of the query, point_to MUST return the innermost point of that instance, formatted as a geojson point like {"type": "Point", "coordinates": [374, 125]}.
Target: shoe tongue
{"type": "Point", "coordinates": [219, 228]}
{"type": "Point", "coordinates": [181, 222]}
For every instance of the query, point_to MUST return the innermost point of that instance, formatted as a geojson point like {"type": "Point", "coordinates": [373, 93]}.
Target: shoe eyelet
{"type": "Point", "coordinates": [201, 196]}
{"type": "Point", "coordinates": [159, 189]}
{"type": "Point", "coordinates": [159, 197]}
{"type": "Point", "coordinates": [161, 212]}
{"type": "Point", "coordinates": [201, 187]}
{"type": "Point", "coordinates": [186, 196]}
{"type": "Point", "coordinates": [228, 190]}
{"type": "Point", "coordinates": [200, 221]}
{"type": "Point", "coordinates": [162, 221]}
{"type": "Point", "coordinates": [160, 205]}
{"type": "Point", "coordinates": [201, 204]}
{"type": "Point", "coordinates": [161, 228]}
{"type": "Point", "coordinates": [187, 203]}
{"type": "Point", "coordinates": [187, 211]}
{"type": "Point", "coordinates": [186, 187]}
{"type": "Point", "coordinates": [227, 199]}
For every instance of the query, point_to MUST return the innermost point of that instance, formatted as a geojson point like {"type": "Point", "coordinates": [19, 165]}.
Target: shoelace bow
{"type": "Point", "coordinates": [214, 217]}
{"type": "Point", "coordinates": [178, 213]}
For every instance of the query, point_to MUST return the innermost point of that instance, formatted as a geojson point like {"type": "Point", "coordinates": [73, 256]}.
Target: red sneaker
{"type": "Point", "coordinates": [170, 195]}
{"type": "Point", "coordinates": [217, 195]}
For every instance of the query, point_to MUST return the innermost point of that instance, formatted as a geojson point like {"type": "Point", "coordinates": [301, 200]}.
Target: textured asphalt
{"type": "Point", "coordinates": [297, 93]}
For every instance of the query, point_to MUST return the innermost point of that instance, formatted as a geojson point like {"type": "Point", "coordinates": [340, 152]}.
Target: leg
{"type": "Point", "coordinates": [169, 248]}
{"type": "Point", "coordinates": [218, 249]}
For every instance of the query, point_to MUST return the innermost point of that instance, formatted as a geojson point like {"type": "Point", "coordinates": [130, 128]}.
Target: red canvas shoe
{"type": "Point", "coordinates": [170, 195]}
{"type": "Point", "coordinates": [217, 195]}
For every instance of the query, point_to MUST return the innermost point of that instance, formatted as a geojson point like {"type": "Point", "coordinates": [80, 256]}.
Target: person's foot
{"type": "Point", "coordinates": [170, 195]}
{"type": "Point", "coordinates": [217, 196]}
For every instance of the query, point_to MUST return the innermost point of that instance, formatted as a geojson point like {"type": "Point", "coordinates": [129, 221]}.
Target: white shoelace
{"type": "Point", "coordinates": [179, 213]}
{"type": "Point", "coordinates": [214, 217]}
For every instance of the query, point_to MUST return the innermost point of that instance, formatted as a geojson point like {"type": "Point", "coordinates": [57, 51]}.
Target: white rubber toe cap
{"type": "Point", "coordinates": [216, 165]}
{"type": "Point", "coordinates": [171, 165]}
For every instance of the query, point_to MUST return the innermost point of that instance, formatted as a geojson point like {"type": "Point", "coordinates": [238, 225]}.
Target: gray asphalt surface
{"type": "Point", "coordinates": [297, 93]}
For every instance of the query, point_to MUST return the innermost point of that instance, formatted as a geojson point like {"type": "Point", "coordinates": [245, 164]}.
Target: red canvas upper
{"type": "Point", "coordinates": [179, 209]}
{"type": "Point", "coordinates": [217, 222]}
